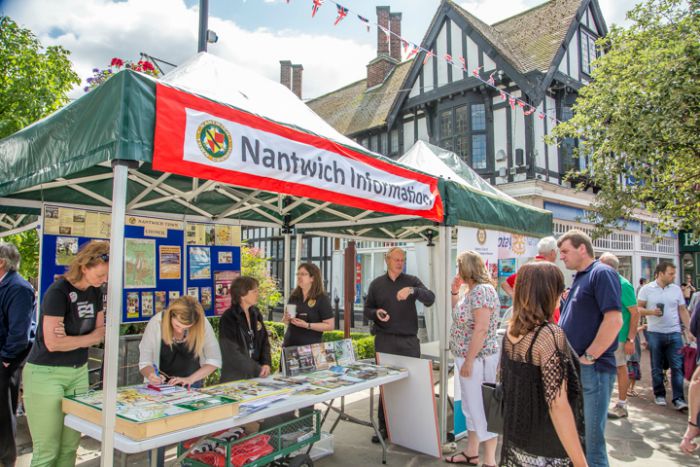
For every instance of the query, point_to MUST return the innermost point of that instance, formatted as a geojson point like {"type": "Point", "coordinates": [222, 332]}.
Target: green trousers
{"type": "Point", "coordinates": [54, 444]}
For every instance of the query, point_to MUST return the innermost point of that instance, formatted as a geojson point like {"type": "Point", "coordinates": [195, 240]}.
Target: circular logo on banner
{"type": "Point", "coordinates": [518, 244]}
{"type": "Point", "coordinates": [481, 236]}
{"type": "Point", "coordinates": [214, 141]}
{"type": "Point", "coordinates": [73, 297]}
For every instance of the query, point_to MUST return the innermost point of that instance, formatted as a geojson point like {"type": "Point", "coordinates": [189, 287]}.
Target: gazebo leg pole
{"type": "Point", "coordinates": [114, 311]}
{"type": "Point", "coordinates": [297, 252]}
{"type": "Point", "coordinates": [443, 288]}
{"type": "Point", "coordinates": [287, 261]}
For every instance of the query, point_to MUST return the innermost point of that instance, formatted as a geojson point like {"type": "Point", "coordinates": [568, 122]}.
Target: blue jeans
{"type": "Point", "coordinates": [597, 389]}
{"type": "Point", "coordinates": [666, 345]}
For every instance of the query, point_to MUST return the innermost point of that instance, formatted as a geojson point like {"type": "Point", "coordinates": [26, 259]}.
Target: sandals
{"type": "Point", "coordinates": [632, 393]}
{"type": "Point", "coordinates": [467, 459]}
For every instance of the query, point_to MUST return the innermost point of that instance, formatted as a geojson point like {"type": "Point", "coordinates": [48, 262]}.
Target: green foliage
{"type": "Point", "coordinates": [275, 328]}
{"type": "Point", "coordinates": [337, 335]}
{"type": "Point", "coordinates": [364, 347]}
{"type": "Point", "coordinates": [640, 116]}
{"type": "Point", "coordinates": [33, 80]}
{"type": "Point", "coordinates": [27, 243]}
{"type": "Point", "coordinates": [254, 264]}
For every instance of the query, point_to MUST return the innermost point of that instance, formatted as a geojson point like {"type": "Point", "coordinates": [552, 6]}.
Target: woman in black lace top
{"type": "Point", "coordinates": [543, 399]}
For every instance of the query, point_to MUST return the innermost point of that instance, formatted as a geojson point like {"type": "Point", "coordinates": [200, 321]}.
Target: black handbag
{"type": "Point", "coordinates": [492, 395]}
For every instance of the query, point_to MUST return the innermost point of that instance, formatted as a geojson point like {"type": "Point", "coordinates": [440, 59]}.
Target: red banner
{"type": "Point", "coordinates": [197, 137]}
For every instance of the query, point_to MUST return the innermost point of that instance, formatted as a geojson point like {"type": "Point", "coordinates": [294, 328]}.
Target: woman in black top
{"type": "Point", "coordinates": [314, 314]}
{"type": "Point", "coordinates": [71, 320]}
{"type": "Point", "coordinates": [543, 399]}
{"type": "Point", "coordinates": [245, 347]}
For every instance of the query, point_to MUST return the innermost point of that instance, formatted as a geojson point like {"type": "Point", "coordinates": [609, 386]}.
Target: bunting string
{"type": "Point", "coordinates": [411, 49]}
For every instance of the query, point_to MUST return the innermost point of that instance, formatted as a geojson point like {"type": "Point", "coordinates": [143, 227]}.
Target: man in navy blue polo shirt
{"type": "Point", "coordinates": [591, 319]}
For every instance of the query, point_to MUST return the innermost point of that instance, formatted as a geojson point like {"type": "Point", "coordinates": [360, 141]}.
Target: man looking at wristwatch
{"type": "Point", "coordinates": [662, 302]}
{"type": "Point", "coordinates": [391, 304]}
{"type": "Point", "coordinates": [591, 320]}
{"type": "Point", "coordinates": [625, 340]}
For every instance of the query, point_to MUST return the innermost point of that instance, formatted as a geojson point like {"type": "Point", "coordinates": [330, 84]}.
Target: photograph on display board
{"type": "Point", "coordinates": [170, 261]}
{"type": "Point", "coordinates": [205, 299]}
{"type": "Point", "coordinates": [324, 355]}
{"type": "Point", "coordinates": [225, 257]}
{"type": "Point", "coordinates": [66, 250]}
{"type": "Point", "coordinates": [193, 292]}
{"type": "Point", "coordinates": [160, 301]}
{"type": "Point", "coordinates": [298, 360]}
{"type": "Point", "coordinates": [132, 305]}
{"type": "Point", "coordinates": [78, 227]}
{"type": "Point", "coordinates": [140, 263]}
{"type": "Point", "coordinates": [173, 295]}
{"type": "Point", "coordinates": [200, 263]}
{"type": "Point", "coordinates": [147, 304]}
{"type": "Point", "coordinates": [51, 221]}
{"type": "Point", "coordinates": [209, 234]}
{"type": "Point", "coordinates": [223, 235]}
{"type": "Point", "coordinates": [222, 290]}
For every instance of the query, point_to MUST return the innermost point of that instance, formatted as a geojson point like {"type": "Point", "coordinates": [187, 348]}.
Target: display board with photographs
{"type": "Point", "coordinates": [303, 359]}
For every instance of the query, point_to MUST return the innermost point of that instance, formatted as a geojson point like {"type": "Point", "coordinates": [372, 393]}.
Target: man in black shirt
{"type": "Point", "coordinates": [391, 304]}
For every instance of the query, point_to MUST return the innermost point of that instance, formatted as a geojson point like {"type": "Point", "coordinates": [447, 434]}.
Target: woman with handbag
{"type": "Point", "coordinates": [542, 394]}
{"type": "Point", "coordinates": [474, 344]}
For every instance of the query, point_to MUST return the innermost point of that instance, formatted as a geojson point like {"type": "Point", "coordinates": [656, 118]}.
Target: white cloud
{"type": "Point", "coordinates": [97, 30]}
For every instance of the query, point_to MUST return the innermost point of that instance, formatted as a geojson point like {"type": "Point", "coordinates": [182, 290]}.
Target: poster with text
{"type": "Point", "coordinates": [170, 261]}
{"type": "Point", "coordinates": [200, 263]}
{"type": "Point", "coordinates": [222, 290]}
{"type": "Point", "coordinates": [484, 242]}
{"type": "Point", "coordinates": [205, 298]}
{"type": "Point", "coordinates": [132, 305]}
{"type": "Point", "coordinates": [147, 304]}
{"type": "Point", "coordinates": [139, 263]}
{"type": "Point", "coordinates": [160, 301]}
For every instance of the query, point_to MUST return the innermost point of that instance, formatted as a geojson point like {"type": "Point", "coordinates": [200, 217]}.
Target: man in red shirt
{"type": "Point", "coordinates": [547, 251]}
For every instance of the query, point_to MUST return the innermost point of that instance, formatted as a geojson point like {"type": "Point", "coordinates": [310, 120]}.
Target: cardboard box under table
{"type": "Point", "coordinates": [143, 413]}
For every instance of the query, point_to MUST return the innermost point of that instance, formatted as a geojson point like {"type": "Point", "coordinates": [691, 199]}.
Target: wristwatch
{"type": "Point", "coordinates": [308, 325]}
{"type": "Point", "coordinates": [589, 357]}
{"type": "Point", "coordinates": [629, 339]}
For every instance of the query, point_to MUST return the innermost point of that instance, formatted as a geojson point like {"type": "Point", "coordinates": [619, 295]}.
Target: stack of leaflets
{"type": "Point", "coordinates": [260, 403]}
{"type": "Point", "coordinates": [304, 359]}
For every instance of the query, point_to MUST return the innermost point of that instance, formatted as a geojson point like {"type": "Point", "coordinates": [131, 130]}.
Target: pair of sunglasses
{"type": "Point", "coordinates": [104, 257]}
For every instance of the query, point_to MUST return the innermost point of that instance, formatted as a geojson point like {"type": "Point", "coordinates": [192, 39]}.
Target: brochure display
{"type": "Point", "coordinates": [303, 359]}
{"type": "Point", "coordinates": [163, 259]}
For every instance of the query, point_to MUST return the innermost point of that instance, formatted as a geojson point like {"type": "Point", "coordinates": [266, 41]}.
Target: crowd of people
{"type": "Point", "coordinates": [557, 364]}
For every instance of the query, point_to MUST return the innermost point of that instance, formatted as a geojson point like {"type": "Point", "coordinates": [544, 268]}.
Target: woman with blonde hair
{"type": "Point", "coordinates": [179, 345]}
{"type": "Point", "coordinates": [543, 399]}
{"type": "Point", "coordinates": [71, 320]}
{"type": "Point", "coordinates": [474, 344]}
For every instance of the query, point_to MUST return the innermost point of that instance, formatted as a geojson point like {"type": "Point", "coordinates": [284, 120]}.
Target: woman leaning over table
{"type": "Point", "coordinates": [71, 320]}
{"type": "Point", "coordinates": [314, 314]}
{"type": "Point", "coordinates": [543, 398]}
{"type": "Point", "coordinates": [474, 344]}
{"type": "Point", "coordinates": [179, 345]}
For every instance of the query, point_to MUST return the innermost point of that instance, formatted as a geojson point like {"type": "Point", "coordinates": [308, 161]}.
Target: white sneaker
{"type": "Point", "coordinates": [680, 404]}
{"type": "Point", "coordinates": [660, 400]}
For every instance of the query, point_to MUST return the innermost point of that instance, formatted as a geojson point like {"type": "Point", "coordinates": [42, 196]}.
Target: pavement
{"type": "Point", "coordinates": [648, 437]}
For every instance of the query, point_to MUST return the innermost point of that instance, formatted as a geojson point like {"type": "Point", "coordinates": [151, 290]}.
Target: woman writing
{"type": "Point", "coordinates": [242, 335]}
{"type": "Point", "coordinates": [543, 399]}
{"type": "Point", "coordinates": [71, 320]}
{"type": "Point", "coordinates": [179, 345]}
{"type": "Point", "coordinates": [314, 314]}
{"type": "Point", "coordinates": [474, 344]}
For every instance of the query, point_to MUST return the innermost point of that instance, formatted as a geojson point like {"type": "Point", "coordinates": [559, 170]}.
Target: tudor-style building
{"type": "Point", "coordinates": [542, 56]}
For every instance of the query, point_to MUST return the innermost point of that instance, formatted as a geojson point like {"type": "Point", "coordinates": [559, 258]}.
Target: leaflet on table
{"type": "Point", "coordinates": [309, 358]}
{"type": "Point", "coordinates": [248, 390]}
{"type": "Point", "coordinates": [260, 403]}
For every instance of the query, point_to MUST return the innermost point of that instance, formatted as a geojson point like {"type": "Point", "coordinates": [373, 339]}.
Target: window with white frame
{"type": "Point", "coordinates": [588, 51]}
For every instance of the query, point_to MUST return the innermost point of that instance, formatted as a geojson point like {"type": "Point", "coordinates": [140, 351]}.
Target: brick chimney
{"type": "Point", "coordinates": [380, 67]}
{"type": "Point", "coordinates": [395, 28]}
{"type": "Point", "coordinates": [286, 73]}
{"type": "Point", "coordinates": [296, 79]}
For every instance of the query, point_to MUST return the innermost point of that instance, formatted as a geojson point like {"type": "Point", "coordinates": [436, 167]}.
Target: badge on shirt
{"type": "Point", "coordinates": [73, 297]}
{"type": "Point", "coordinates": [311, 303]}
{"type": "Point", "coordinates": [259, 326]}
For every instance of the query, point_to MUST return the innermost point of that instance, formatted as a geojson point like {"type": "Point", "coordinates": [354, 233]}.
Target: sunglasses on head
{"type": "Point", "coordinates": [104, 257]}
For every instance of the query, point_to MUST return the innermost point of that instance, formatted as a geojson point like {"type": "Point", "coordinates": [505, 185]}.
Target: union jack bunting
{"type": "Point", "coordinates": [540, 116]}
{"type": "Point", "coordinates": [464, 63]}
{"type": "Point", "coordinates": [491, 81]}
{"type": "Point", "coordinates": [475, 71]}
{"type": "Point", "coordinates": [529, 111]}
{"type": "Point", "coordinates": [448, 58]}
{"type": "Point", "coordinates": [503, 95]}
{"type": "Point", "coordinates": [521, 104]}
{"type": "Point", "coordinates": [511, 102]}
{"type": "Point", "coordinates": [342, 13]}
{"type": "Point", "coordinates": [405, 44]}
{"type": "Point", "coordinates": [428, 54]}
{"type": "Point", "coordinates": [364, 20]}
{"type": "Point", "coordinates": [413, 52]}
{"type": "Point", "coordinates": [386, 32]}
{"type": "Point", "coordinates": [316, 5]}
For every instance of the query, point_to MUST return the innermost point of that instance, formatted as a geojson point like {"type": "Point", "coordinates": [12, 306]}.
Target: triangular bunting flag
{"type": "Point", "coordinates": [342, 13]}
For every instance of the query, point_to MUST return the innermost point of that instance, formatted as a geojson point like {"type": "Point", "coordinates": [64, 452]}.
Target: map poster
{"type": "Point", "coordinates": [132, 305]}
{"type": "Point", "coordinates": [170, 261]}
{"type": "Point", "coordinates": [160, 301]}
{"type": "Point", "coordinates": [66, 249]}
{"type": "Point", "coordinates": [146, 304]}
{"type": "Point", "coordinates": [205, 299]}
{"type": "Point", "coordinates": [200, 263]}
{"type": "Point", "coordinates": [98, 224]}
{"type": "Point", "coordinates": [222, 287]}
{"type": "Point", "coordinates": [140, 263]}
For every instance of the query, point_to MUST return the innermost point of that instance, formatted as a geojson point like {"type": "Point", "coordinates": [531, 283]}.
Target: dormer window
{"type": "Point", "coordinates": [588, 51]}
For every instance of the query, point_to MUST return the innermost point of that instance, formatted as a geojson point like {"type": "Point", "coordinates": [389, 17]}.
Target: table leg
{"type": "Point", "coordinates": [340, 414]}
{"type": "Point", "coordinates": [157, 457]}
{"type": "Point", "coordinates": [374, 424]}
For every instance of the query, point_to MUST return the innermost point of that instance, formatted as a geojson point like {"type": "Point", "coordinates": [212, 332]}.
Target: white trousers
{"type": "Point", "coordinates": [483, 371]}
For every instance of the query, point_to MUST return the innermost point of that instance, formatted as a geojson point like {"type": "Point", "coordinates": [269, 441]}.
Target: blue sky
{"type": "Point", "coordinates": [255, 33]}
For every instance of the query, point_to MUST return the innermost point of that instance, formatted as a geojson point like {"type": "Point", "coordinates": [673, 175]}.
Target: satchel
{"type": "Point", "coordinates": [492, 395]}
